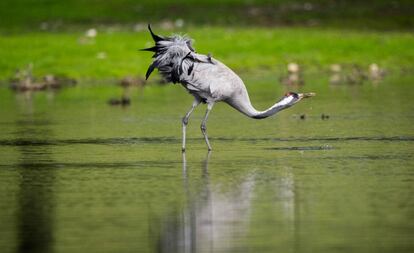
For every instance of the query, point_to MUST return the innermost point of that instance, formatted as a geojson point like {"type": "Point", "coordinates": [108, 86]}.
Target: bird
{"type": "Point", "coordinates": [207, 79]}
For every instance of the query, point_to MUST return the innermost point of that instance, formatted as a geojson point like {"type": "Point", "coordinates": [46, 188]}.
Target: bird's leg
{"type": "Point", "coordinates": [203, 124]}
{"type": "Point", "coordinates": [196, 102]}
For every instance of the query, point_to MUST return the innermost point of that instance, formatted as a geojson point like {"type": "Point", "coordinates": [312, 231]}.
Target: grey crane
{"type": "Point", "coordinates": [207, 79]}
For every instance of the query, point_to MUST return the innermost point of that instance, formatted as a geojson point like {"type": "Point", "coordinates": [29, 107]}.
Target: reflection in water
{"type": "Point", "coordinates": [289, 203]}
{"type": "Point", "coordinates": [286, 193]}
{"type": "Point", "coordinates": [35, 198]}
{"type": "Point", "coordinates": [218, 220]}
{"type": "Point", "coordinates": [212, 220]}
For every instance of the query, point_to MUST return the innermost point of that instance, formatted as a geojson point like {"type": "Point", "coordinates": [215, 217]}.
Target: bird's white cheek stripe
{"type": "Point", "coordinates": [285, 101]}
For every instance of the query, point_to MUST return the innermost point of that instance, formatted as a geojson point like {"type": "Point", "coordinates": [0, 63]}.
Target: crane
{"type": "Point", "coordinates": [207, 79]}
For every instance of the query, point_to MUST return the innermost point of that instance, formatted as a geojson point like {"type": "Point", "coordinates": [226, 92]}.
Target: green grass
{"type": "Point", "coordinates": [243, 49]}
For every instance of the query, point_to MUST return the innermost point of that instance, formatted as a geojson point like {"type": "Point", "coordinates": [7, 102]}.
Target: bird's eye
{"type": "Point", "coordinates": [295, 95]}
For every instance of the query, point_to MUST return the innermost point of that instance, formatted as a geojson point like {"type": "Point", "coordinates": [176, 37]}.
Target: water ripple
{"type": "Point", "coordinates": [163, 140]}
{"type": "Point", "coordinates": [306, 148]}
{"type": "Point", "coordinates": [113, 165]}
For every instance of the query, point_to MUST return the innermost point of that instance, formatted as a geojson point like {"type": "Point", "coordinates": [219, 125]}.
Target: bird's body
{"type": "Point", "coordinates": [211, 81]}
{"type": "Point", "coordinates": [215, 82]}
{"type": "Point", "coordinates": [207, 79]}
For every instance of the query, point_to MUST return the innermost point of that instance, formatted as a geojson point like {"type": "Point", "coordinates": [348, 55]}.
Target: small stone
{"type": "Point", "coordinates": [167, 25]}
{"type": "Point", "coordinates": [44, 26]}
{"type": "Point", "coordinates": [293, 67]}
{"type": "Point", "coordinates": [373, 68]}
{"type": "Point", "coordinates": [49, 79]}
{"type": "Point", "coordinates": [179, 23]}
{"type": "Point", "coordinates": [324, 116]}
{"type": "Point", "coordinates": [91, 33]}
{"type": "Point", "coordinates": [335, 68]}
{"type": "Point", "coordinates": [124, 101]}
{"type": "Point", "coordinates": [139, 27]}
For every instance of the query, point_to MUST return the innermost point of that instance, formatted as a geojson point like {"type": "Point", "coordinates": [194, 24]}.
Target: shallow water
{"type": "Point", "coordinates": [77, 175]}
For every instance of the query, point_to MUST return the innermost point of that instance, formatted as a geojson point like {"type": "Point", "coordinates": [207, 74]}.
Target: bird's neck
{"type": "Point", "coordinates": [244, 106]}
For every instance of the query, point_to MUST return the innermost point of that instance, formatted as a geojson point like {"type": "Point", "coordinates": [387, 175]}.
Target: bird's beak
{"type": "Point", "coordinates": [306, 95]}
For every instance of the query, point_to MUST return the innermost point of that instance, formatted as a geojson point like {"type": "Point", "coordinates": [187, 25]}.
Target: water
{"type": "Point", "coordinates": [77, 175]}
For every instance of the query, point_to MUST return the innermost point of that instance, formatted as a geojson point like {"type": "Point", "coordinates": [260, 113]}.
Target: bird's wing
{"type": "Point", "coordinates": [214, 80]}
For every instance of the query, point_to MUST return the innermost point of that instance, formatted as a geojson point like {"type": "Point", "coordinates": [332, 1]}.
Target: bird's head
{"type": "Point", "coordinates": [291, 98]}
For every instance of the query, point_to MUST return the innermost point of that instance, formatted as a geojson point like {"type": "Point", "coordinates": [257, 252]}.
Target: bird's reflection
{"type": "Point", "coordinates": [211, 219]}
{"type": "Point", "coordinates": [191, 218]}
{"type": "Point", "coordinates": [35, 196]}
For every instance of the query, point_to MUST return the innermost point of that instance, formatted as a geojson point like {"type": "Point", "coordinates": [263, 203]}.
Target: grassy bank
{"type": "Point", "coordinates": [115, 53]}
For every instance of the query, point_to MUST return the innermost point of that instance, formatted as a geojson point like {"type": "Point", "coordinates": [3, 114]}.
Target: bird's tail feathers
{"type": "Point", "coordinates": [169, 54]}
